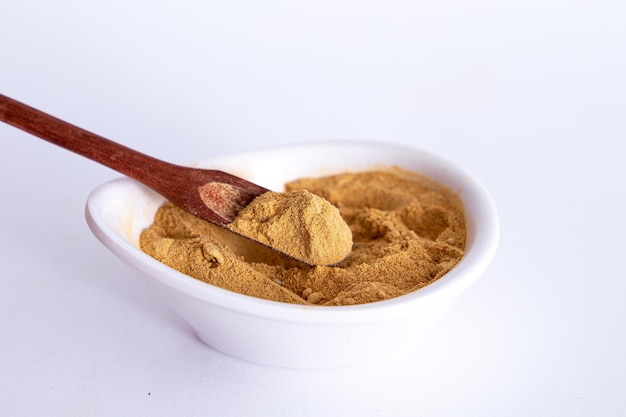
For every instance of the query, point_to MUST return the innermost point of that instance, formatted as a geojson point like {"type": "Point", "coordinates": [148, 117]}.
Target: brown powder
{"type": "Point", "coordinates": [297, 223]}
{"type": "Point", "coordinates": [407, 230]}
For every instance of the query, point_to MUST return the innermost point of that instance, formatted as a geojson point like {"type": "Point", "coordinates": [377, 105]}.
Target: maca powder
{"type": "Point", "coordinates": [407, 232]}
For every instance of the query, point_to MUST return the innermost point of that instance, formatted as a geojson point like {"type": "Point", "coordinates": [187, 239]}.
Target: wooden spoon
{"type": "Point", "coordinates": [211, 195]}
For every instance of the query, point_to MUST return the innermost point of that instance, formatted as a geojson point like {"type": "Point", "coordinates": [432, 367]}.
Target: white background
{"type": "Point", "coordinates": [528, 95]}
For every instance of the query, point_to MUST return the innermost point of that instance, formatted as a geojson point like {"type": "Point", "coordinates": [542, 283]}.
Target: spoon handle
{"type": "Point", "coordinates": [127, 161]}
{"type": "Point", "coordinates": [210, 194]}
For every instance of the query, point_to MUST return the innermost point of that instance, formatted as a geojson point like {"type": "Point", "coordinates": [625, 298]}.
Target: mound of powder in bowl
{"type": "Point", "coordinates": [407, 232]}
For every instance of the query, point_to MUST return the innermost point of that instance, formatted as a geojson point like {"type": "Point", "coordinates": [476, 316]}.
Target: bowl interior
{"type": "Point", "coordinates": [119, 210]}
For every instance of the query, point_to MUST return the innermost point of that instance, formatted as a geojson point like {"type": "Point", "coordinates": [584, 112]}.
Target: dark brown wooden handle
{"type": "Point", "coordinates": [201, 192]}
{"type": "Point", "coordinates": [97, 148]}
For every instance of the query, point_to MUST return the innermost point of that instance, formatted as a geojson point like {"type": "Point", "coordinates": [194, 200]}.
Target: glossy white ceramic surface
{"type": "Point", "coordinates": [286, 335]}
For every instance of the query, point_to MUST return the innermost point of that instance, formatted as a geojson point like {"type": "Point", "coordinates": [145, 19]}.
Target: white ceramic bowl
{"type": "Point", "coordinates": [288, 335]}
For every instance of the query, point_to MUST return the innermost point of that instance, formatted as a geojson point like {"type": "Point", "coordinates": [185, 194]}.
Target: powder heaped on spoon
{"type": "Point", "coordinates": [297, 223]}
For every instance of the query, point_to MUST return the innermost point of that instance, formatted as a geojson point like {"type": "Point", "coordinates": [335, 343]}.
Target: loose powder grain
{"type": "Point", "coordinates": [407, 231]}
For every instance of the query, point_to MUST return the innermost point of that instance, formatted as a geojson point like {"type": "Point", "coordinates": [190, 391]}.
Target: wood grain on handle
{"type": "Point", "coordinates": [213, 195]}
{"type": "Point", "coordinates": [97, 148]}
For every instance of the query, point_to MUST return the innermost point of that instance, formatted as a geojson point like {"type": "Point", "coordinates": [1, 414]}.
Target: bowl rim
{"type": "Point", "coordinates": [472, 265]}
